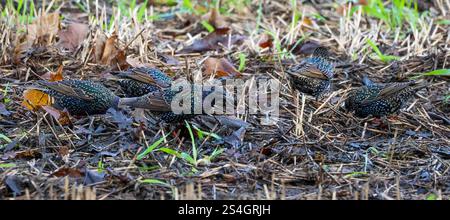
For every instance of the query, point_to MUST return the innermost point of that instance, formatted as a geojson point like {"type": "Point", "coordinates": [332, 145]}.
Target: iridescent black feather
{"type": "Point", "coordinates": [314, 74]}
{"type": "Point", "coordinates": [379, 100]}
{"type": "Point", "coordinates": [79, 97]}
{"type": "Point", "coordinates": [142, 80]}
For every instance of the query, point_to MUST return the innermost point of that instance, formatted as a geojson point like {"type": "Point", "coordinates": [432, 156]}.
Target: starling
{"type": "Point", "coordinates": [380, 99]}
{"type": "Point", "coordinates": [142, 80]}
{"type": "Point", "coordinates": [313, 75]}
{"type": "Point", "coordinates": [160, 102]}
{"type": "Point", "coordinates": [79, 97]}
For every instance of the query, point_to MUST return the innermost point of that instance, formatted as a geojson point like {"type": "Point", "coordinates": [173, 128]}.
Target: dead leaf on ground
{"type": "Point", "coordinates": [266, 41]}
{"type": "Point", "coordinates": [68, 171]}
{"type": "Point", "coordinates": [3, 110]}
{"type": "Point", "coordinates": [71, 37]}
{"type": "Point", "coordinates": [219, 68]}
{"type": "Point", "coordinates": [54, 76]}
{"type": "Point", "coordinates": [216, 19]}
{"type": "Point", "coordinates": [213, 41]}
{"type": "Point", "coordinates": [62, 116]}
{"type": "Point", "coordinates": [236, 138]}
{"type": "Point", "coordinates": [34, 99]}
{"type": "Point", "coordinates": [107, 52]}
{"type": "Point", "coordinates": [41, 32]}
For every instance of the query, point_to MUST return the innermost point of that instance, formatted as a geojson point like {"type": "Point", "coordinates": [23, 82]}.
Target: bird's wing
{"type": "Point", "coordinates": [153, 101]}
{"type": "Point", "coordinates": [308, 70]}
{"type": "Point", "coordinates": [141, 75]}
{"type": "Point", "coordinates": [321, 52]}
{"type": "Point", "coordinates": [64, 88]}
{"type": "Point", "coordinates": [388, 91]}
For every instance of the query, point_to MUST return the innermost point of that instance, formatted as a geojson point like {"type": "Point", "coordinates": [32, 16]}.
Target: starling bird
{"type": "Point", "coordinates": [380, 99]}
{"type": "Point", "coordinates": [160, 102]}
{"type": "Point", "coordinates": [79, 97]}
{"type": "Point", "coordinates": [313, 75]}
{"type": "Point", "coordinates": [142, 80]}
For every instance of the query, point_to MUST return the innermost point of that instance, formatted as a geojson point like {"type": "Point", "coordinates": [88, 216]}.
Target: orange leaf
{"type": "Point", "coordinates": [265, 41]}
{"type": "Point", "coordinates": [220, 67]}
{"type": "Point", "coordinates": [54, 76]}
{"type": "Point", "coordinates": [61, 116]}
{"type": "Point", "coordinates": [307, 21]}
{"type": "Point", "coordinates": [34, 99]}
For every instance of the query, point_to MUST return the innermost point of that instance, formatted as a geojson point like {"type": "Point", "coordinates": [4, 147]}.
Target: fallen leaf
{"type": "Point", "coordinates": [236, 138]}
{"type": "Point", "coordinates": [265, 41]}
{"type": "Point", "coordinates": [93, 176]}
{"type": "Point", "coordinates": [3, 110]}
{"type": "Point", "coordinates": [14, 183]}
{"type": "Point", "coordinates": [219, 68]}
{"type": "Point", "coordinates": [72, 36]}
{"type": "Point", "coordinates": [41, 32]}
{"type": "Point", "coordinates": [63, 151]}
{"type": "Point", "coordinates": [28, 154]}
{"type": "Point", "coordinates": [121, 119]}
{"type": "Point", "coordinates": [61, 116]}
{"type": "Point", "coordinates": [216, 20]}
{"type": "Point", "coordinates": [213, 41]}
{"type": "Point", "coordinates": [54, 76]}
{"type": "Point", "coordinates": [35, 99]}
{"type": "Point", "coordinates": [68, 171]}
{"type": "Point", "coordinates": [107, 52]}
{"type": "Point", "coordinates": [306, 22]}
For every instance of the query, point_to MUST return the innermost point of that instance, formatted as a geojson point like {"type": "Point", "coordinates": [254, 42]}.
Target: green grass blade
{"type": "Point", "coordinates": [150, 148]}
{"type": "Point", "coordinates": [194, 147]}
{"type": "Point", "coordinates": [440, 72]}
{"type": "Point", "coordinates": [207, 26]}
{"type": "Point", "coordinates": [4, 137]}
{"type": "Point", "coordinates": [170, 151]}
{"type": "Point", "coordinates": [156, 181]}
{"type": "Point", "coordinates": [242, 62]}
{"type": "Point", "coordinates": [7, 165]}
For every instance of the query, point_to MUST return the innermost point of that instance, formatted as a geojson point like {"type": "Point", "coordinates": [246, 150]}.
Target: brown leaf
{"type": "Point", "coordinates": [265, 41]}
{"type": "Point", "coordinates": [219, 68]}
{"type": "Point", "coordinates": [63, 151]}
{"type": "Point", "coordinates": [216, 20]}
{"type": "Point", "coordinates": [35, 99]}
{"type": "Point", "coordinates": [62, 116]}
{"type": "Point", "coordinates": [106, 52]}
{"type": "Point", "coordinates": [68, 171]}
{"type": "Point", "coordinates": [73, 36]}
{"type": "Point", "coordinates": [100, 40]}
{"type": "Point", "coordinates": [28, 154]}
{"type": "Point", "coordinates": [41, 32]}
{"type": "Point", "coordinates": [213, 41]}
{"type": "Point", "coordinates": [54, 76]}
{"type": "Point", "coordinates": [109, 50]}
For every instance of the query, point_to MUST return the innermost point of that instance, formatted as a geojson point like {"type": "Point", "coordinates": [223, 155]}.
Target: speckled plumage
{"type": "Point", "coordinates": [313, 75]}
{"type": "Point", "coordinates": [134, 87]}
{"type": "Point", "coordinates": [380, 99]}
{"type": "Point", "coordinates": [80, 97]}
{"type": "Point", "coordinates": [159, 102]}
